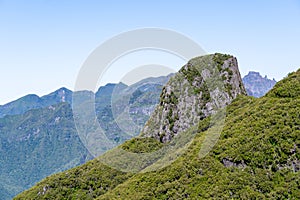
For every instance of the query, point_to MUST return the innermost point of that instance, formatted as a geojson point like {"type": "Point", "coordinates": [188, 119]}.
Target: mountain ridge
{"type": "Point", "coordinates": [256, 85]}
{"type": "Point", "coordinates": [144, 95]}
{"type": "Point", "coordinates": [189, 96]}
{"type": "Point", "coordinates": [63, 94]}
{"type": "Point", "coordinates": [41, 136]}
{"type": "Point", "coordinates": [256, 156]}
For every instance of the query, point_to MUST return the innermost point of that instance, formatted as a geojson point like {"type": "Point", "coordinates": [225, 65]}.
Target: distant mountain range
{"type": "Point", "coordinates": [184, 155]}
{"type": "Point", "coordinates": [256, 85]}
{"type": "Point", "coordinates": [33, 101]}
{"type": "Point", "coordinates": [38, 134]}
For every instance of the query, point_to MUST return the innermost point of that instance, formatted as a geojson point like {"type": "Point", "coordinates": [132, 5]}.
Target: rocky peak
{"type": "Point", "coordinates": [256, 85]}
{"type": "Point", "coordinates": [201, 87]}
{"type": "Point", "coordinates": [252, 73]}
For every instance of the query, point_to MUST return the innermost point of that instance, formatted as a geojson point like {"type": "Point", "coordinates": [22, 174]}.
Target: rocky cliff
{"type": "Point", "coordinates": [256, 85]}
{"type": "Point", "coordinates": [202, 86]}
{"type": "Point", "coordinates": [256, 157]}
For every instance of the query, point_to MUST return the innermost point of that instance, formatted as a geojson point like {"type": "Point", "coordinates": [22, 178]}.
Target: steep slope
{"type": "Point", "coordinates": [287, 88]}
{"type": "Point", "coordinates": [128, 107]}
{"type": "Point", "coordinates": [44, 141]}
{"type": "Point", "coordinates": [82, 185]}
{"type": "Point", "coordinates": [36, 144]}
{"type": "Point", "coordinates": [202, 86]}
{"type": "Point", "coordinates": [256, 157]}
{"type": "Point", "coordinates": [104, 94]}
{"type": "Point", "coordinates": [256, 85]}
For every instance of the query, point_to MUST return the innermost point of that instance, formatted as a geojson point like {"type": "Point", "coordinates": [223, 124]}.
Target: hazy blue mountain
{"type": "Point", "coordinates": [102, 97]}
{"type": "Point", "coordinates": [256, 85]}
{"type": "Point", "coordinates": [38, 135]}
{"type": "Point", "coordinates": [32, 101]}
{"type": "Point", "coordinates": [123, 110]}
{"type": "Point", "coordinates": [256, 155]}
{"type": "Point", "coordinates": [104, 94]}
{"type": "Point", "coordinates": [36, 144]}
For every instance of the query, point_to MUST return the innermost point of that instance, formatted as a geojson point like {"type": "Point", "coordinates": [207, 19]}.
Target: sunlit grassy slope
{"type": "Point", "coordinates": [256, 157]}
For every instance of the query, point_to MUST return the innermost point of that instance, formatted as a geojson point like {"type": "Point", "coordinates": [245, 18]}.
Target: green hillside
{"type": "Point", "coordinates": [44, 140]}
{"type": "Point", "coordinates": [256, 157]}
{"type": "Point", "coordinates": [36, 144]}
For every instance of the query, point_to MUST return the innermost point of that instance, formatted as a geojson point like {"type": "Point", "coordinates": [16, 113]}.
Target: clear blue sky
{"type": "Point", "coordinates": [44, 43]}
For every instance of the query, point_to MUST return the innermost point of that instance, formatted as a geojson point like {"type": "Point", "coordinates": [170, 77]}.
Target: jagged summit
{"type": "Point", "coordinates": [202, 86]}
{"type": "Point", "coordinates": [253, 73]}
{"type": "Point", "coordinates": [256, 157]}
{"type": "Point", "coordinates": [59, 96]}
{"type": "Point", "coordinates": [32, 101]}
{"type": "Point", "coordinates": [256, 85]}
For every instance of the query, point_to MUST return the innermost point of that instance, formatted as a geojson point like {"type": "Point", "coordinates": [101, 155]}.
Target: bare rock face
{"type": "Point", "coordinates": [256, 85]}
{"type": "Point", "coordinates": [201, 87]}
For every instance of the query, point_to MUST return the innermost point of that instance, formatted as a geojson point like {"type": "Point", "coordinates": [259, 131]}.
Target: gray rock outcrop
{"type": "Point", "coordinates": [201, 87]}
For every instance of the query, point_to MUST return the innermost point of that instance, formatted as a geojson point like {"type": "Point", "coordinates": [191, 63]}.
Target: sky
{"type": "Point", "coordinates": [43, 44]}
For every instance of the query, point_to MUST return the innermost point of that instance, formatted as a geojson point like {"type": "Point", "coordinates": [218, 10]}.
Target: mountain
{"type": "Point", "coordinates": [132, 106]}
{"type": "Point", "coordinates": [188, 97]}
{"type": "Point", "coordinates": [124, 109]}
{"type": "Point", "coordinates": [102, 97]}
{"type": "Point", "coordinates": [29, 102]}
{"type": "Point", "coordinates": [256, 155]}
{"type": "Point", "coordinates": [256, 85]}
{"type": "Point", "coordinates": [42, 139]}
{"type": "Point", "coordinates": [36, 144]}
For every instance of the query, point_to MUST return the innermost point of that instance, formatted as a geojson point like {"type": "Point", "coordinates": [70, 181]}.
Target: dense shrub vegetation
{"type": "Point", "coordinates": [256, 157]}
